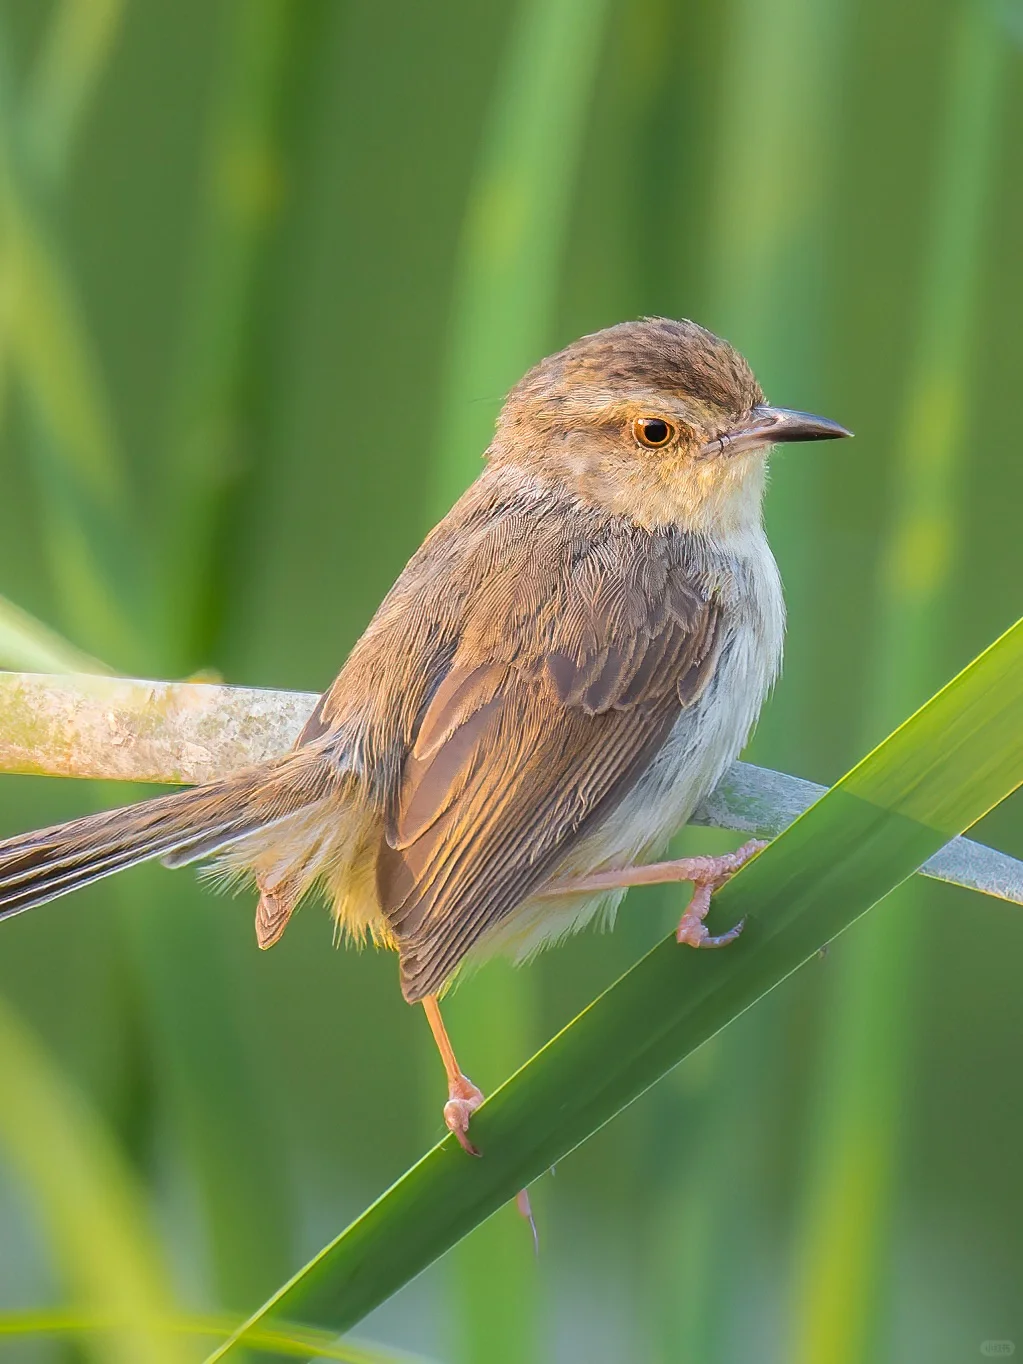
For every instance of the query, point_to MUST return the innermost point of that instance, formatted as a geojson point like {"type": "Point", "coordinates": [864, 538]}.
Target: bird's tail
{"type": "Point", "coordinates": [179, 828]}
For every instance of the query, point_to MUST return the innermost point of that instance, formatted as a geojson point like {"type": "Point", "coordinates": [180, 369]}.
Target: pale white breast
{"type": "Point", "coordinates": [709, 735]}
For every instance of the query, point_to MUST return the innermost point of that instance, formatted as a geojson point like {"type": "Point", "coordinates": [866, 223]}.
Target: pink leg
{"type": "Point", "coordinates": [706, 874]}
{"type": "Point", "coordinates": [463, 1096]}
{"type": "Point", "coordinates": [463, 1100]}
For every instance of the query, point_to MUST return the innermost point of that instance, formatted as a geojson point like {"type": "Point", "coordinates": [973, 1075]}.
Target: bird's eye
{"type": "Point", "coordinates": [653, 432]}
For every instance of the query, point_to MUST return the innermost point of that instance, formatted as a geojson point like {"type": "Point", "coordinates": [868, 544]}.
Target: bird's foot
{"type": "Point", "coordinates": [463, 1100]}
{"type": "Point", "coordinates": [708, 874]}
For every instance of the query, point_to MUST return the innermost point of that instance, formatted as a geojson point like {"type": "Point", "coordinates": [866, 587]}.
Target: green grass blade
{"type": "Point", "coordinates": [71, 62]}
{"type": "Point", "coordinates": [935, 776]}
{"type": "Point", "coordinates": [299, 1342]}
{"type": "Point", "coordinates": [27, 645]}
{"type": "Point", "coordinates": [220, 402]}
{"type": "Point", "coordinates": [88, 1202]}
{"type": "Point", "coordinates": [224, 395]}
{"type": "Point", "coordinates": [78, 463]}
{"type": "Point", "coordinates": [105, 588]}
{"type": "Point", "coordinates": [516, 225]}
{"type": "Point", "coordinates": [757, 802]}
{"type": "Point", "coordinates": [53, 352]}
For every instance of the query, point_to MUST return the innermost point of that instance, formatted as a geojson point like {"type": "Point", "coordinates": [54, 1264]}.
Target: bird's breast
{"type": "Point", "coordinates": [710, 734]}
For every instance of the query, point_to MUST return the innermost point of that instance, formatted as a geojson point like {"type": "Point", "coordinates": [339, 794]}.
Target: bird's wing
{"type": "Point", "coordinates": [518, 754]}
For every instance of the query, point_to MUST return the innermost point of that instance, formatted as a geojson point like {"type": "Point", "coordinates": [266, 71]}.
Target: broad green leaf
{"type": "Point", "coordinates": [936, 775]}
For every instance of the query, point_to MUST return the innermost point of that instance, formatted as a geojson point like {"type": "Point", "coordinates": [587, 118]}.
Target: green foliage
{"type": "Point", "coordinates": [843, 1261]}
{"type": "Point", "coordinates": [296, 1342]}
{"type": "Point", "coordinates": [26, 645]}
{"type": "Point", "coordinates": [88, 1202]}
{"type": "Point", "coordinates": [257, 307]}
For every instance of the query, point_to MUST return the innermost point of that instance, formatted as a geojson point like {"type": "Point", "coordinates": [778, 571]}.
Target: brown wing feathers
{"type": "Point", "coordinates": [516, 758]}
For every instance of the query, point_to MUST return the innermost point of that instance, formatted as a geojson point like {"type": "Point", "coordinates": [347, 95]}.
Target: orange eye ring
{"type": "Point", "coordinates": [653, 432]}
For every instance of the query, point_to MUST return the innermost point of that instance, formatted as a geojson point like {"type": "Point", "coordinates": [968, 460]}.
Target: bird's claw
{"type": "Point", "coordinates": [694, 933]}
{"type": "Point", "coordinates": [464, 1099]}
{"type": "Point", "coordinates": [691, 929]}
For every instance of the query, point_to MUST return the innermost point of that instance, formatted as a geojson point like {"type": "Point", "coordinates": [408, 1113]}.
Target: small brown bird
{"type": "Point", "coordinates": [560, 674]}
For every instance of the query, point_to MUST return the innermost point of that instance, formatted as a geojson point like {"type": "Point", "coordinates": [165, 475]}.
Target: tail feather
{"type": "Point", "coordinates": [209, 842]}
{"type": "Point", "coordinates": [180, 828]}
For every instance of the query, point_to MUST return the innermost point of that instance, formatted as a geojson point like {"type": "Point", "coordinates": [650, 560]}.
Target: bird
{"type": "Point", "coordinates": [563, 670]}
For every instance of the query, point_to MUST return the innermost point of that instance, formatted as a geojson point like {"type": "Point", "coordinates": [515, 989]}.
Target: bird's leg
{"type": "Point", "coordinates": [706, 874]}
{"type": "Point", "coordinates": [463, 1096]}
{"type": "Point", "coordinates": [463, 1100]}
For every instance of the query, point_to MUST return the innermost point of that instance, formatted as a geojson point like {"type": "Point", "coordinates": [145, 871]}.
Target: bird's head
{"type": "Point", "coordinates": [657, 420]}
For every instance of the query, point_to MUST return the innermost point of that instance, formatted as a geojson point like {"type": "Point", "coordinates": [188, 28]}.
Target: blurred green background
{"type": "Point", "coordinates": [266, 269]}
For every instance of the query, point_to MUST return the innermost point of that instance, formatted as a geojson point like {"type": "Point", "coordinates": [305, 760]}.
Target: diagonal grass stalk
{"type": "Point", "coordinates": [942, 770]}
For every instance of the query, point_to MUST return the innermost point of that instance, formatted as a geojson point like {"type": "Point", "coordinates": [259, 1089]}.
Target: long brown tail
{"type": "Point", "coordinates": [180, 828]}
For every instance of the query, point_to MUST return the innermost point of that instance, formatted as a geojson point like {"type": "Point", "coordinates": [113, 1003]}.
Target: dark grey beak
{"type": "Point", "coordinates": [772, 426]}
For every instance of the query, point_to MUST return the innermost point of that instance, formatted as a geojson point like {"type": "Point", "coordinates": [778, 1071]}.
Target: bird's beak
{"type": "Point", "coordinates": [772, 426]}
